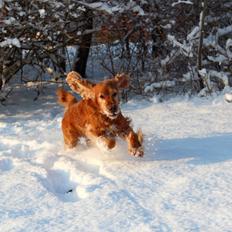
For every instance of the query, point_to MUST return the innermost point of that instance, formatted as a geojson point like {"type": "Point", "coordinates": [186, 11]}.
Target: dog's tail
{"type": "Point", "coordinates": [65, 98]}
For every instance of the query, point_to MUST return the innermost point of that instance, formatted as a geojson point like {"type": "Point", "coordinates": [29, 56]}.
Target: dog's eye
{"type": "Point", "coordinates": [102, 96]}
{"type": "Point", "coordinates": [114, 94]}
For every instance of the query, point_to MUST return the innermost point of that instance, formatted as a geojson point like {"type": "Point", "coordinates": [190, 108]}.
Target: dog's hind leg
{"type": "Point", "coordinates": [71, 137]}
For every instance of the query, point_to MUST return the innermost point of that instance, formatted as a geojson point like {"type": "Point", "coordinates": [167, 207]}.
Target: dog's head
{"type": "Point", "coordinates": [105, 93]}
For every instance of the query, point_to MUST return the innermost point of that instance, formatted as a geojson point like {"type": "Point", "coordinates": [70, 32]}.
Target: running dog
{"type": "Point", "coordinates": [97, 116]}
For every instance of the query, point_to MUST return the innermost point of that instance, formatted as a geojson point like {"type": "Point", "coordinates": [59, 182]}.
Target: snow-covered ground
{"type": "Point", "coordinates": [184, 182]}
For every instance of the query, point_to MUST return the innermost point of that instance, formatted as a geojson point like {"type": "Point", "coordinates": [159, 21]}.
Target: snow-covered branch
{"type": "Point", "coordinates": [182, 2]}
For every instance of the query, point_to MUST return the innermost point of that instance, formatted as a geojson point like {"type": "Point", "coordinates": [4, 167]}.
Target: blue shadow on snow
{"type": "Point", "coordinates": [217, 148]}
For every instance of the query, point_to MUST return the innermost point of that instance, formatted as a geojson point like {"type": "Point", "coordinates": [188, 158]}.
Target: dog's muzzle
{"type": "Point", "coordinates": [114, 109]}
{"type": "Point", "coordinates": [113, 112]}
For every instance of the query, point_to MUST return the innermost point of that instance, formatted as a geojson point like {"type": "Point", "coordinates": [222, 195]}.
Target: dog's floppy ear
{"type": "Point", "coordinates": [80, 85]}
{"type": "Point", "coordinates": [122, 80]}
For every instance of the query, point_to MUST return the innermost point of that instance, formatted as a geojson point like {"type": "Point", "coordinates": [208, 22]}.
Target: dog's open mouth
{"type": "Point", "coordinates": [112, 115]}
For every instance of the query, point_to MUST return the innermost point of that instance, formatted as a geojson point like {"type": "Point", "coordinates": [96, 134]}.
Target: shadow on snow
{"type": "Point", "coordinates": [217, 148]}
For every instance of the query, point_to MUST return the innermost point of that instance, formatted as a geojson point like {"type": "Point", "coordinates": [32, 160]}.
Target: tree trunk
{"type": "Point", "coordinates": [62, 60]}
{"type": "Point", "coordinates": [1, 69]}
{"type": "Point", "coordinates": [199, 55]}
{"type": "Point", "coordinates": [82, 53]}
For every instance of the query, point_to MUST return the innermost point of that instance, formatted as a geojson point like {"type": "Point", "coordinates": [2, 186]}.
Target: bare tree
{"type": "Point", "coordinates": [199, 53]}
{"type": "Point", "coordinates": [82, 52]}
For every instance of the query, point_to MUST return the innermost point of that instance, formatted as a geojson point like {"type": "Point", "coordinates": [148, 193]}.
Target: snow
{"type": "Point", "coordinates": [134, 7]}
{"type": "Point", "coordinates": [228, 47]}
{"type": "Point", "coordinates": [101, 6]}
{"type": "Point", "coordinates": [218, 58]}
{"type": "Point", "coordinates": [224, 31]}
{"type": "Point", "coordinates": [110, 7]}
{"type": "Point", "coordinates": [228, 97]}
{"type": "Point", "coordinates": [212, 40]}
{"type": "Point", "coordinates": [10, 20]}
{"type": "Point", "coordinates": [182, 184]}
{"type": "Point", "coordinates": [182, 2]}
{"type": "Point", "coordinates": [42, 13]}
{"type": "Point", "coordinates": [161, 84]}
{"type": "Point", "coordinates": [193, 34]}
{"type": "Point", "coordinates": [223, 76]}
{"type": "Point", "coordinates": [185, 49]}
{"type": "Point", "coordinates": [10, 42]}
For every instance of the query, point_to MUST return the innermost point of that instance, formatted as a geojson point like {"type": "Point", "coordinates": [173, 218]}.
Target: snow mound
{"type": "Point", "coordinates": [228, 97]}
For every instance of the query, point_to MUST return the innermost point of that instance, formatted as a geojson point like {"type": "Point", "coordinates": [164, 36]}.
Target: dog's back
{"type": "Point", "coordinates": [78, 114]}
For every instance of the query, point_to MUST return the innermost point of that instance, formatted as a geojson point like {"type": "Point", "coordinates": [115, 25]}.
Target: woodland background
{"type": "Point", "coordinates": [181, 47]}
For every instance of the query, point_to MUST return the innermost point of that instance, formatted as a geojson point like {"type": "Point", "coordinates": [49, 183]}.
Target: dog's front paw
{"type": "Point", "coordinates": [136, 151]}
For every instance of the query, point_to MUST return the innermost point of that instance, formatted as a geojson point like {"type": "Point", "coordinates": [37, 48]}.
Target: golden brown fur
{"type": "Point", "coordinates": [97, 117]}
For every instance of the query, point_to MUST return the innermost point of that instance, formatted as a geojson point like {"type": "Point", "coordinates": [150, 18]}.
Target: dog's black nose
{"type": "Point", "coordinates": [114, 109]}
